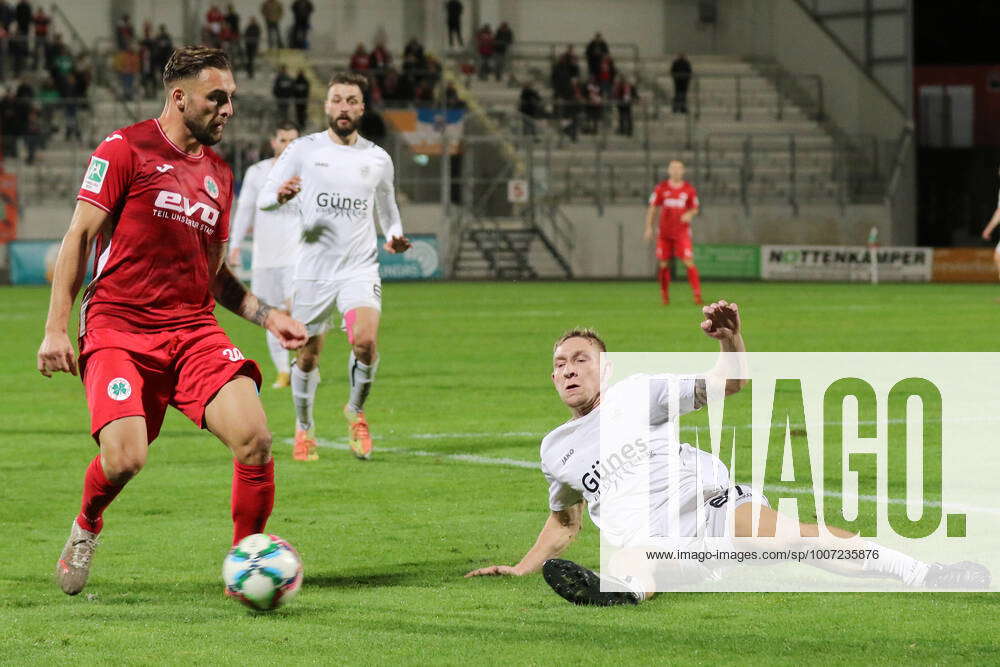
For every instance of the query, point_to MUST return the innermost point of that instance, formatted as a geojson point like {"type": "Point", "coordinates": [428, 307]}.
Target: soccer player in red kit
{"type": "Point", "coordinates": [157, 201]}
{"type": "Point", "coordinates": [677, 202]}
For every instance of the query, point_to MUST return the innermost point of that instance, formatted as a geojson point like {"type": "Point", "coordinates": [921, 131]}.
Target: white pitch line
{"type": "Point", "coordinates": [534, 465]}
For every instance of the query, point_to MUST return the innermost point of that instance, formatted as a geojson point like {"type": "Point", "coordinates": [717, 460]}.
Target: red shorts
{"type": "Point", "coordinates": [129, 374]}
{"type": "Point", "coordinates": [677, 244]}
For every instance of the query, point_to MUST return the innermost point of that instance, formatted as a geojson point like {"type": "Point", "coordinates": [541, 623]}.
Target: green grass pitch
{"type": "Point", "coordinates": [464, 370]}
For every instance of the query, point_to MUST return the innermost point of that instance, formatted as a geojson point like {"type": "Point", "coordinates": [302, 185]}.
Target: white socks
{"type": "Point", "coordinates": [360, 376]}
{"type": "Point", "coordinates": [304, 395]}
{"type": "Point", "coordinates": [279, 355]}
{"type": "Point", "coordinates": [895, 564]}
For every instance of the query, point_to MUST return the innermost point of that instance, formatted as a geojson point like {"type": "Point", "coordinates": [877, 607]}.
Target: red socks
{"type": "Point", "coordinates": [98, 493]}
{"type": "Point", "coordinates": [695, 281]}
{"type": "Point", "coordinates": [253, 498]}
{"type": "Point", "coordinates": [665, 284]}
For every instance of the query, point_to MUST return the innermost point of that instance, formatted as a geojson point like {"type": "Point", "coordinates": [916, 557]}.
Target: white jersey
{"type": "Point", "coordinates": [277, 234]}
{"type": "Point", "coordinates": [343, 189]}
{"type": "Point", "coordinates": [678, 472]}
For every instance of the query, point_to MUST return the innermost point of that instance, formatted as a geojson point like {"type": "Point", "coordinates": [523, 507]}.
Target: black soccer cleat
{"type": "Point", "coordinates": [581, 586]}
{"type": "Point", "coordinates": [966, 574]}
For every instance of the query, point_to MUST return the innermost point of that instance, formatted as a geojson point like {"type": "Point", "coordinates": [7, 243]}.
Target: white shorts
{"type": "Point", "coordinates": [314, 300]}
{"type": "Point", "coordinates": [703, 481]}
{"type": "Point", "coordinates": [273, 285]}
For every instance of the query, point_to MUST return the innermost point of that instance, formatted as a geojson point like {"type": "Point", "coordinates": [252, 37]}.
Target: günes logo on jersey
{"type": "Point", "coordinates": [178, 203]}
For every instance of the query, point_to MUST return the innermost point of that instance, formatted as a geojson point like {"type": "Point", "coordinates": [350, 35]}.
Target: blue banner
{"type": "Point", "coordinates": [33, 262]}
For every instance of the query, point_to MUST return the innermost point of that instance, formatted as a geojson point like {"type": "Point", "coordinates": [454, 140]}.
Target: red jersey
{"type": "Point", "coordinates": [673, 203]}
{"type": "Point", "coordinates": [154, 268]}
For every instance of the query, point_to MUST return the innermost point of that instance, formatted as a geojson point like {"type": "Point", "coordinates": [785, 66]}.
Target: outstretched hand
{"type": "Point", "coordinates": [722, 320]}
{"type": "Point", "coordinates": [398, 244]}
{"type": "Point", "coordinates": [494, 571]}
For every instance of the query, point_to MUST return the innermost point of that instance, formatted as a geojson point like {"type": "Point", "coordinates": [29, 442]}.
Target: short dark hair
{"type": "Point", "coordinates": [285, 125]}
{"type": "Point", "coordinates": [189, 61]}
{"type": "Point", "coordinates": [581, 332]}
{"type": "Point", "coordinates": [349, 79]}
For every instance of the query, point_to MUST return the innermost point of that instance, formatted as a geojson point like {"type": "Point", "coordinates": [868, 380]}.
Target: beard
{"type": "Point", "coordinates": [202, 132]}
{"type": "Point", "coordinates": [343, 130]}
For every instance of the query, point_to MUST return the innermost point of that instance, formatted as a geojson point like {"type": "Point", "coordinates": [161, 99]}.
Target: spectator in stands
{"type": "Point", "coordinates": [531, 107]}
{"type": "Point", "coordinates": [597, 48]}
{"type": "Point", "coordinates": [606, 74]}
{"type": "Point", "coordinates": [8, 122]}
{"type": "Point", "coordinates": [572, 109]}
{"type": "Point", "coordinates": [148, 73]}
{"type": "Point", "coordinates": [283, 91]}
{"type": "Point", "coordinates": [379, 60]}
{"type": "Point", "coordinates": [300, 91]}
{"type": "Point", "coordinates": [272, 11]}
{"type": "Point", "coordinates": [454, 10]}
{"type": "Point", "coordinates": [163, 47]}
{"type": "Point", "coordinates": [214, 19]}
{"type": "Point", "coordinates": [594, 105]}
{"type": "Point", "coordinates": [232, 20]}
{"type": "Point", "coordinates": [47, 101]}
{"type": "Point", "coordinates": [681, 72]}
{"type": "Point", "coordinates": [6, 15]}
{"type": "Point", "coordinates": [625, 95]}
{"type": "Point", "coordinates": [485, 45]}
{"type": "Point", "coordinates": [23, 17]}
{"type": "Point", "coordinates": [70, 106]}
{"type": "Point", "coordinates": [60, 62]}
{"type": "Point", "coordinates": [502, 41]}
{"type": "Point", "coordinates": [124, 32]}
{"type": "Point", "coordinates": [126, 65]}
{"type": "Point", "coordinates": [424, 92]}
{"type": "Point", "coordinates": [302, 15]}
{"type": "Point", "coordinates": [451, 98]}
{"type": "Point", "coordinates": [32, 133]}
{"type": "Point", "coordinates": [42, 23]}
{"type": "Point", "coordinates": [360, 60]}
{"type": "Point", "coordinates": [251, 43]}
{"type": "Point", "coordinates": [414, 50]}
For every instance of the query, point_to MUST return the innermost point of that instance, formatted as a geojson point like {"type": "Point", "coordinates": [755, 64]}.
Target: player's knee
{"type": "Point", "coordinates": [254, 447]}
{"type": "Point", "coordinates": [123, 463]}
{"type": "Point", "coordinates": [364, 347]}
{"type": "Point", "coordinates": [306, 361]}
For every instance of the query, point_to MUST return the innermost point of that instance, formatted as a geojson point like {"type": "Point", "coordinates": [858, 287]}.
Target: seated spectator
{"type": "Point", "coordinates": [451, 98]}
{"type": "Point", "coordinates": [595, 105]}
{"type": "Point", "coordinates": [531, 107]}
{"type": "Point", "coordinates": [486, 47]}
{"type": "Point", "coordinates": [502, 40]}
{"type": "Point", "coordinates": [625, 95]}
{"type": "Point", "coordinates": [606, 73]}
{"type": "Point", "coordinates": [360, 61]}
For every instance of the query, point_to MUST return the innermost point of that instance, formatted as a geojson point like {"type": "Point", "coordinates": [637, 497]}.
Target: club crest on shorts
{"type": "Point", "coordinates": [211, 187]}
{"type": "Point", "coordinates": [119, 389]}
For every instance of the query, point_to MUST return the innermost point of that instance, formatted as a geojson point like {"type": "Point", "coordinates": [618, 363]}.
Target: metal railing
{"type": "Point", "coordinates": [736, 94]}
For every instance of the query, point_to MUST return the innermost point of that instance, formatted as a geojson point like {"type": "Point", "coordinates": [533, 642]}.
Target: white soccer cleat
{"type": "Point", "coordinates": [73, 567]}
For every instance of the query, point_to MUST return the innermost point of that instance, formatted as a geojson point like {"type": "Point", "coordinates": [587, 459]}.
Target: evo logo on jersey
{"type": "Point", "coordinates": [173, 201]}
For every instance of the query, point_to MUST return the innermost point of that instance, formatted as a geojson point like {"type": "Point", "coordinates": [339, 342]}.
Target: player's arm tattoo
{"type": "Point", "coordinates": [233, 295]}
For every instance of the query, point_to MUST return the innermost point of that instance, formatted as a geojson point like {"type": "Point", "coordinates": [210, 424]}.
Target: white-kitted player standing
{"type": "Point", "coordinates": [342, 182]}
{"type": "Point", "coordinates": [276, 240]}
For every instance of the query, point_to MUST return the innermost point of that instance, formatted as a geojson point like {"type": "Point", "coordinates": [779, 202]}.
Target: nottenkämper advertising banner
{"type": "Point", "coordinates": [846, 263]}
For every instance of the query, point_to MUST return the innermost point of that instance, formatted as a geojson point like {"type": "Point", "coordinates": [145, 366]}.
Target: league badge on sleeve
{"type": "Point", "coordinates": [211, 187]}
{"type": "Point", "coordinates": [93, 180]}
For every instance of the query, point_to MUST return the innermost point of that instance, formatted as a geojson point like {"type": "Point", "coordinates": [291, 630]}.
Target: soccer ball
{"type": "Point", "coordinates": [262, 571]}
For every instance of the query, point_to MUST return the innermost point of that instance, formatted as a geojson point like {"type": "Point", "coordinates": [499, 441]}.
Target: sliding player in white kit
{"type": "Point", "coordinates": [340, 180]}
{"type": "Point", "coordinates": [570, 462]}
{"type": "Point", "coordinates": [275, 242]}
